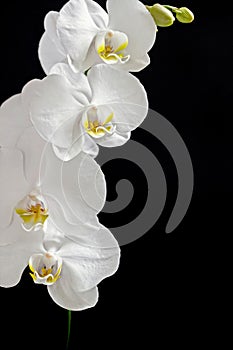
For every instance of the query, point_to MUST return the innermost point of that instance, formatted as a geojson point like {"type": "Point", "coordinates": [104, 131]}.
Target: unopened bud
{"type": "Point", "coordinates": [162, 16]}
{"type": "Point", "coordinates": [184, 15]}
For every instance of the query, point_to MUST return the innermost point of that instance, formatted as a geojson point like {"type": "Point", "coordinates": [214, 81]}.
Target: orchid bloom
{"type": "Point", "coordinates": [71, 270]}
{"type": "Point", "coordinates": [83, 34]}
{"type": "Point", "coordinates": [35, 186]}
{"type": "Point", "coordinates": [76, 112]}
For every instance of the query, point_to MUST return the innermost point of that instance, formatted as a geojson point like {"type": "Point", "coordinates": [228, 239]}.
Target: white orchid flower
{"type": "Point", "coordinates": [76, 112]}
{"type": "Point", "coordinates": [70, 270]}
{"type": "Point", "coordinates": [83, 34]}
{"type": "Point", "coordinates": [36, 186]}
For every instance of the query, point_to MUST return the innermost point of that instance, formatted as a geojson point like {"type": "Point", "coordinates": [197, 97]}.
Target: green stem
{"type": "Point", "coordinates": [68, 332]}
{"type": "Point", "coordinates": [172, 8]}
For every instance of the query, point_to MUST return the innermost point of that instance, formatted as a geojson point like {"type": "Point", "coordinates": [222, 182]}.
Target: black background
{"type": "Point", "coordinates": [167, 289]}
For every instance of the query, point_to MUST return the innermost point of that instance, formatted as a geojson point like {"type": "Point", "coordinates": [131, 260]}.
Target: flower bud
{"type": "Point", "coordinates": [162, 16]}
{"type": "Point", "coordinates": [184, 15]}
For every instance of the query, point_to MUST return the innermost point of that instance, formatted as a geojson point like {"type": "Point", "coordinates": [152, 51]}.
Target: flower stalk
{"type": "Point", "coordinates": [68, 329]}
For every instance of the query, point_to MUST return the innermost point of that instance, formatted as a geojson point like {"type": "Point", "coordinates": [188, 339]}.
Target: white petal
{"type": "Point", "coordinates": [90, 147]}
{"type": "Point", "coordinates": [79, 186]}
{"type": "Point", "coordinates": [91, 182]}
{"type": "Point", "coordinates": [65, 294]}
{"type": "Point", "coordinates": [98, 14]}
{"type": "Point", "coordinates": [78, 80]}
{"type": "Point", "coordinates": [50, 23]}
{"type": "Point", "coordinates": [135, 64]}
{"type": "Point", "coordinates": [91, 59]}
{"type": "Point", "coordinates": [15, 232]}
{"type": "Point", "coordinates": [14, 257]}
{"type": "Point", "coordinates": [49, 54]}
{"type": "Point", "coordinates": [132, 18]}
{"type": "Point", "coordinates": [50, 47]}
{"type": "Point", "coordinates": [28, 93]}
{"type": "Point", "coordinates": [89, 265]}
{"type": "Point", "coordinates": [94, 236]}
{"type": "Point", "coordinates": [122, 92]}
{"type": "Point", "coordinates": [114, 140]}
{"type": "Point", "coordinates": [14, 119]}
{"type": "Point", "coordinates": [66, 154]}
{"type": "Point", "coordinates": [91, 239]}
{"type": "Point", "coordinates": [31, 145]}
{"type": "Point", "coordinates": [13, 186]}
{"type": "Point", "coordinates": [53, 108]}
{"type": "Point", "coordinates": [76, 29]}
{"type": "Point", "coordinates": [66, 222]}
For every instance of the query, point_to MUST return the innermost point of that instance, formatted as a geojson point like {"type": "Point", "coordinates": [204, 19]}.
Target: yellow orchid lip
{"type": "Point", "coordinates": [97, 129]}
{"type": "Point", "coordinates": [111, 52]}
{"type": "Point", "coordinates": [32, 211]}
{"type": "Point", "coordinates": [46, 275]}
{"type": "Point", "coordinates": [50, 270]}
{"type": "Point", "coordinates": [34, 214]}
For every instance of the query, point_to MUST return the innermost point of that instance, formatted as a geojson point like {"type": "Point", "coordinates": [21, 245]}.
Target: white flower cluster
{"type": "Point", "coordinates": [51, 186]}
